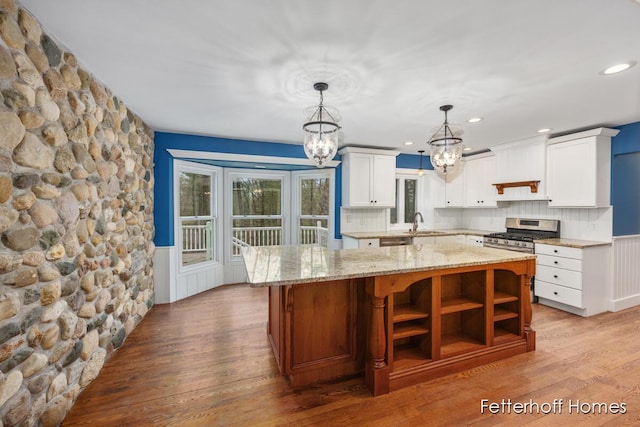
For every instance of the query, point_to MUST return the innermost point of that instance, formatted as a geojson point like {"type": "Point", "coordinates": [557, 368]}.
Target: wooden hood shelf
{"type": "Point", "coordinates": [531, 184]}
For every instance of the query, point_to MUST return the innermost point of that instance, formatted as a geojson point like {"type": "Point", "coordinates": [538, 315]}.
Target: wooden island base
{"type": "Point", "coordinates": [402, 329]}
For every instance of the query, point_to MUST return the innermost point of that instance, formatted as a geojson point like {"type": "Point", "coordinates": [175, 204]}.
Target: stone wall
{"type": "Point", "coordinates": [76, 223]}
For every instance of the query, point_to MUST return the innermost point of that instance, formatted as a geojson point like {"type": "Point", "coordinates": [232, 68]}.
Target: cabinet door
{"type": "Point", "coordinates": [454, 190]}
{"type": "Point", "coordinates": [479, 177]}
{"type": "Point", "coordinates": [474, 240]}
{"type": "Point", "coordinates": [571, 173]}
{"type": "Point", "coordinates": [490, 194]}
{"type": "Point", "coordinates": [360, 170]}
{"type": "Point", "coordinates": [473, 171]}
{"type": "Point", "coordinates": [384, 181]}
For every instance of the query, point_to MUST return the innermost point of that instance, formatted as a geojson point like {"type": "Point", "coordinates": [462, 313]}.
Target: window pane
{"type": "Point", "coordinates": [195, 194]}
{"type": "Point", "coordinates": [394, 210]}
{"type": "Point", "coordinates": [257, 196]}
{"type": "Point", "coordinates": [314, 196]}
{"type": "Point", "coordinates": [410, 186]}
{"type": "Point", "coordinates": [197, 241]}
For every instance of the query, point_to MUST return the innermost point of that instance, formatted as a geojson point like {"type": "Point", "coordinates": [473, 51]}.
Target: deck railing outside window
{"type": "Point", "coordinates": [196, 238]}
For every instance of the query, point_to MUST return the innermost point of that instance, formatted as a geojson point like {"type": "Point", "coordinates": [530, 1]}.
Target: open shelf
{"type": "Point", "coordinates": [409, 329]}
{"type": "Point", "coordinates": [456, 304]}
{"type": "Point", "coordinates": [408, 356]}
{"type": "Point", "coordinates": [452, 344]}
{"type": "Point", "coordinates": [502, 335]}
{"type": "Point", "coordinates": [500, 314]}
{"type": "Point", "coordinates": [503, 297]}
{"type": "Point", "coordinates": [533, 185]}
{"type": "Point", "coordinates": [404, 312]}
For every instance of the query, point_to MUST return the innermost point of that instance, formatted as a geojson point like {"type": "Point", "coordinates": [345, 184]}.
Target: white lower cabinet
{"type": "Point", "coordinates": [454, 238]}
{"type": "Point", "coordinates": [474, 240]}
{"type": "Point", "coordinates": [353, 243]}
{"type": "Point", "coordinates": [424, 240]}
{"type": "Point", "coordinates": [576, 280]}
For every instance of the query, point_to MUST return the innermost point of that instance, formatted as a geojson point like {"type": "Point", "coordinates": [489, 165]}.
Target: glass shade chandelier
{"type": "Point", "coordinates": [446, 148]}
{"type": "Point", "coordinates": [321, 131]}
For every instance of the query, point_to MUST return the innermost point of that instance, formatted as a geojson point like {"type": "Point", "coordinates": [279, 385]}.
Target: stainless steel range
{"type": "Point", "coordinates": [521, 233]}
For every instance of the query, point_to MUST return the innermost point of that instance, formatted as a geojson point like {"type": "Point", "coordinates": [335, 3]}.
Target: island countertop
{"type": "Point", "coordinates": [287, 265]}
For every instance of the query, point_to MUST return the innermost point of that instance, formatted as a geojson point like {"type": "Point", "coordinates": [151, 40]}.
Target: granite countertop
{"type": "Point", "coordinates": [572, 243]}
{"type": "Point", "coordinates": [288, 265]}
{"type": "Point", "coordinates": [420, 233]}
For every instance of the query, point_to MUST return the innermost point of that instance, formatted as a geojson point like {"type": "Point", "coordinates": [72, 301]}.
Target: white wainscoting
{"type": "Point", "coordinates": [626, 272]}
{"type": "Point", "coordinates": [172, 285]}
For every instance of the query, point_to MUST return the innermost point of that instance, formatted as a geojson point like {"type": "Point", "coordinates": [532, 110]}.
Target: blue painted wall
{"type": "Point", "coordinates": [163, 170]}
{"type": "Point", "coordinates": [625, 180]}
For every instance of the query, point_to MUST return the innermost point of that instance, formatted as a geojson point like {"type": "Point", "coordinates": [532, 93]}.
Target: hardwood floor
{"type": "Point", "coordinates": [205, 361]}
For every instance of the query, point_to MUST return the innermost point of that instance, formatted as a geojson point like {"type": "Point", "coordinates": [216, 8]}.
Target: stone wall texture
{"type": "Point", "coordinates": [76, 223]}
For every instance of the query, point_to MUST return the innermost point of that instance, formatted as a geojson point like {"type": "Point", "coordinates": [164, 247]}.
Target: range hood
{"type": "Point", "coordinates": [521, 170]}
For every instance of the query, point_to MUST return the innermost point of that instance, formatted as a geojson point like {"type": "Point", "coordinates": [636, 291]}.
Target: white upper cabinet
{"type": "Point", "coordinates": [368, 177]}
{"type": "Point", "coordinates": [479, 174]}
{"type": "Point", "coordinates": [579, 169]}
{"type": "Point", "coordinates": [448, 190]}
{"type": "Point", "coordinates": [519, 163]}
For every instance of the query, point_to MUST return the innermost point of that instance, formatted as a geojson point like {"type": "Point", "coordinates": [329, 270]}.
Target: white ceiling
{"type": "Point", "coordinates": [245, 68]}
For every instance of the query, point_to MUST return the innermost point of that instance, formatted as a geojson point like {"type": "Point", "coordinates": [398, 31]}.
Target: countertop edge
{"type": "Point", "coordinates": [373, 272]}
{"type": "Point", "coordinates": [421, 233]}
{"type": "Point", "coordinates": [573, 243]}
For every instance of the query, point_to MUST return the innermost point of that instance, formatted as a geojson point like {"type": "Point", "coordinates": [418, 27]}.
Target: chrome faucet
{"type": "Point", "coordinates": [414, 228]}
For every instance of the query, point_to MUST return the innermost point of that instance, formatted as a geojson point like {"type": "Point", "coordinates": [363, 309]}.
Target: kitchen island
{"type": "Point", "coordinates": [402, 315]}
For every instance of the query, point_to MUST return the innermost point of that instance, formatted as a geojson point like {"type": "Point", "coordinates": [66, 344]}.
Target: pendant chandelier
{"type": "Point", "coordinates": [446, 148]}
{"type": "Point", "coordinates": [321, 131]}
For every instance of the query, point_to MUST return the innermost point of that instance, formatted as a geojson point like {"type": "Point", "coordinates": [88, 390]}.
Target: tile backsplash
{"type": "Point", "coordinates": [371, 219]}
{"type": "Point", "coordinates": [584, 224]}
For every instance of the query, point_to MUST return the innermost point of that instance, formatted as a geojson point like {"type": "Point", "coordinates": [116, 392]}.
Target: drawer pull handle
{"type": "Point", "coordinates": [555, 262]}
{"type": "Point", "coordinates": [555, 251]}
{"type": "Point", "coordinates": [555, 293]}
{"type": "Point", "coordinates": [369, 243]}
{"type": "Point", "coordinates": [555, 276]}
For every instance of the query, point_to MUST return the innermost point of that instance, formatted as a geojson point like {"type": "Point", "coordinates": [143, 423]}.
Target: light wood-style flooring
{"type": "Point", "coordinates": [206, 361]}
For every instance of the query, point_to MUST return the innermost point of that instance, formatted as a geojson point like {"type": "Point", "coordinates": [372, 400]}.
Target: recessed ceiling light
{"type": "Point", "coordinates": [544, 130]}
{"type": "Point", "coordinates": [408, 143]}
{"type": "Point", "coordinates": [474, 120]}
{"type": "Point", "coordinates": [618, 68]}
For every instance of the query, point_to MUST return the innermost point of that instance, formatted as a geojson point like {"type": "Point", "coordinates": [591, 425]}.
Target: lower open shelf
{"type": "Point", "coordinates": [408, 356]}
{"type": "Point", "coordinates": [501, 336]}
{"type": "Point", "coordinates": [453, 344]}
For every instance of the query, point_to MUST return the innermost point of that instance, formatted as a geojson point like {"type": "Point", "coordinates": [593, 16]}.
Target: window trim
{"type": "Point", "coordinates": [330, 174]}
{"type": "Point", "coordinates": [402, 175]}
{"type": "Point", "coordinates": [285, 209]}
{"type": "Point", "coordinates": [214, 172]}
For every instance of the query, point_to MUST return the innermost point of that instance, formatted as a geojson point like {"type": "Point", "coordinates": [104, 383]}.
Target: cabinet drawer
{"type": "Point", "coordinates": [562, 251]}
{"type": "Point", "coordinates": [559, 276]}
{"type": "Point", "coordinates": [560, 262]}
{"type": "Point", "coordinates": [558, 293]}
{"type": "Point", "coordinates": [368, 243]}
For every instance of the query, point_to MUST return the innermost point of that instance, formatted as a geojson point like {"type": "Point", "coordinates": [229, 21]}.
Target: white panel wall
{"type": "Point", "coordinates": [171, 285]}
{"type": "Point", "coordinates": [626, 272]}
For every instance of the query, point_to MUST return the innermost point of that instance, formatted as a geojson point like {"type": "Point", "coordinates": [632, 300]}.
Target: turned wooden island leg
{"type": "Point", "coordinates": [376, 369]}
{"type": "Point", "coordinates": [529, 333]}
